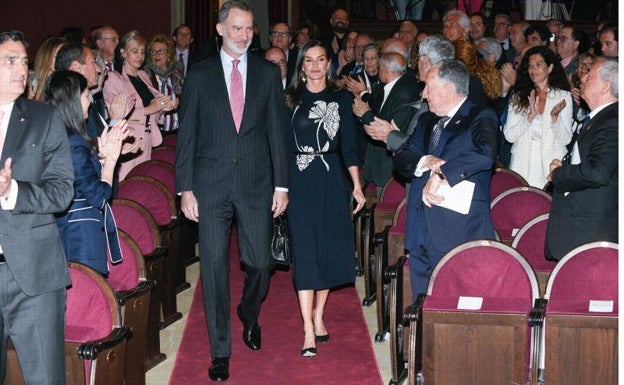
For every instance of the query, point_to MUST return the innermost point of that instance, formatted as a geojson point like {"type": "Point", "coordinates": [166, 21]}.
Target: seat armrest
{"type": "Point", "coordinates": [123, 296]}
{"type": "Point", "coordinates": [90, 350]}
{"type": "Point", "coordinates": [537, 314]}
{"type": "Point", "coordinates": [413, 311]}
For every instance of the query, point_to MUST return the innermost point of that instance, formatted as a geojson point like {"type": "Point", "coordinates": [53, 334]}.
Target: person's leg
{"type": "Point", "coordinates": [214, 234]}
{"type": "Point", "coordinates": [420, 270]}
{"type": "Point", "coordinates": [319, 310]}
{"type": "Point", "coordinates": [306, 301]}
{"type": "Point", "coordinates": [254, 240]}
{"type": "Point", "coordinates": [36, 326]}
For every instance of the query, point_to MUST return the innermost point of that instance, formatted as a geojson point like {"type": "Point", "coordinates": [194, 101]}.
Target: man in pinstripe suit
{"type": "Point", "coordinates": [228, 167]}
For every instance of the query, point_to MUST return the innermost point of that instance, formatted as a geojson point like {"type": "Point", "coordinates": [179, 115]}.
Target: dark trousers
{"type": "Point", "coordinates": [254, 237]}
{"type": "Point", "coordinates": [36, 325]}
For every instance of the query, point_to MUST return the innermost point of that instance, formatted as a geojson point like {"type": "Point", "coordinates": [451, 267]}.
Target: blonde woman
{"type": "Point", "coordinates": [150, 104]}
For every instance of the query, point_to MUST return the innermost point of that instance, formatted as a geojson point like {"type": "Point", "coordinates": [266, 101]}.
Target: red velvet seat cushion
{"type": "Point", "coordinates": [88, 313]}
{"type": "Point", "coordinates": [124, 275]}
{"type": "Point", "coordinates": [137, 225]}
{"type": "Point", "coordinates": [149, 196]}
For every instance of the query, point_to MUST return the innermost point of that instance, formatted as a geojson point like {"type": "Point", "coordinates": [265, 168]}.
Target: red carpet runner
{"type": "Point", "coordinates": [348, 357]}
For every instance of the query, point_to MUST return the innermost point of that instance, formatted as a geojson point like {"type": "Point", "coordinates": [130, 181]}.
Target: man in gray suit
{"type": "Point", "coordinates": [36, 181]}
{"type": "Point", "coordinates": [232, 162]}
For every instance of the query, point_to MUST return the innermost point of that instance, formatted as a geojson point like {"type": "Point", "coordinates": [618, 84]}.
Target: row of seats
{"type": "Point", "coordinates": [140, 292]}
{"type": "Point", "coordinates": [521, 217]}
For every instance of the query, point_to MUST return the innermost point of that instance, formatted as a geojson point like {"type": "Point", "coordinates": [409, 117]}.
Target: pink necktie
{"type": "Point", "coordinates": [237, 100]}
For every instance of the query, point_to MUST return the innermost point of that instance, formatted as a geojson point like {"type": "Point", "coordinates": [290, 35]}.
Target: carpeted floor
{"type": "Point", "coordinates": [348, 358]}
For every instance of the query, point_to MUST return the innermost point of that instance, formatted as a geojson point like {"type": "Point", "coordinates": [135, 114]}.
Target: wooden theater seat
{"type": "Point", "coordinates": [473, 321]}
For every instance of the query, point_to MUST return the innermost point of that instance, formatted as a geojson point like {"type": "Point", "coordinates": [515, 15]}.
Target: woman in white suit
{"type": "Point", "coordinates": [149, 103]}
{"type": "Point", "coordinates": [539, 122]}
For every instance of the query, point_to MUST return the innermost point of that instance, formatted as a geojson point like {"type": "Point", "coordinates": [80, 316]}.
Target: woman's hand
{"type": "Point", "coordinates": [533, 106]}
{"type": "Point", "coordinates": [359, 197]}
{"type": "Point", "coordinates": [554, 113]}
{"type": "Point", "coordinates": [110, 142]}
{"type": "Point", "coordinates": [158, 104]}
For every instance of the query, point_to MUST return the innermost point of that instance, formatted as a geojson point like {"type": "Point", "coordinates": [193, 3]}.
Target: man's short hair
{"type": "Point", "coordinates": [436, 48]}
{"type": "Point", "coordinates": [464, 20]}
{"type": "Point", "coordinates": [488, 46]}
{"type": "Point", "coordinates": [13, 35]}
{"type": "Point", "coordinates": [456, 73]}
{"type": "Point", "coordinates": [608, 72]}
{"type": "Point", "coordinates": [69, 53]}
{"type": "Point", "coordinates": [542, 31]}
{"type": "Point", "coordinates": [610, 27]}
{"type": "Point", "coordinates": [175, 31]}
{"type": "Point", "coordinates": [224, 12]}
{"type": "Point", "coordinates": [394, 62]}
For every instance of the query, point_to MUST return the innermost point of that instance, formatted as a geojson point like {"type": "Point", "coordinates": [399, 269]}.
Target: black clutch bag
{"type": "Point", "coordinates": [280, 243]}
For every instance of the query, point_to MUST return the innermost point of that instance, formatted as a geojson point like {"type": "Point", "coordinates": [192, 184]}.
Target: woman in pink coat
{"type": "Point", "coordinates": [149, 103]}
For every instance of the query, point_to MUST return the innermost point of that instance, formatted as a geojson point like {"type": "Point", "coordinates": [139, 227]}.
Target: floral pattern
{"type": "Point", "coordinates": [327, 117]}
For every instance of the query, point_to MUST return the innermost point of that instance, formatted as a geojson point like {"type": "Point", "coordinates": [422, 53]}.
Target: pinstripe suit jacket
{"type": "Point", "coordinates": [211, 157]}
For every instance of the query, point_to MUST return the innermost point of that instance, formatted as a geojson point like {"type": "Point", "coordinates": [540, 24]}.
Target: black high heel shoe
{"type": "Point", "coordinates": [322, 339]}
{"type": "Point", "coordinates": [308, 352]}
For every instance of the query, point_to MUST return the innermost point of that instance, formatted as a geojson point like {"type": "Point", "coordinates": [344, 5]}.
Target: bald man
{"type": "Point", "coordinates": [390, 101]}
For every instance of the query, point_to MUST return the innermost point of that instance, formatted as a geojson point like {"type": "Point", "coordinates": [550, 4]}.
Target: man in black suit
{"type": "Point", "coordinates": [232, 162]}
{"type": "Point", "coordinates": [390, 101]}
{"type": "Point", "coordinates": [585, 182]}
{"type": "Point", "coordinates": [36, 181]}
{"type": "Point", "coordinates": [183, 38]}
{"type": "Point", "coordinates": [280, 37]}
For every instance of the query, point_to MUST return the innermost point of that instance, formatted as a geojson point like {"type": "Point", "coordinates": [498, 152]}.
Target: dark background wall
{"type": "Point", "coordinates": [41, 18]}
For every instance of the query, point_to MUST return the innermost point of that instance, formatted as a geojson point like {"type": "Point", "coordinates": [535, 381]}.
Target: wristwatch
{"type": "Point", "coordinates": [439, 173]}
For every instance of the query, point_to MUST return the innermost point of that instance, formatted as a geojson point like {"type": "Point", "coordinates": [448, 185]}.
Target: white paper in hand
{"type": "Point", "coordinates": [457, 198]}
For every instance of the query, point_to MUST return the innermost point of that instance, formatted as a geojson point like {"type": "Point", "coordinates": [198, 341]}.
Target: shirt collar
{"type": "Point", "coordinates": [596, 110]}
{"type": "Point", "coordinates": [454, 110]}
{"type": "Point", "coordinates": [225, 58]}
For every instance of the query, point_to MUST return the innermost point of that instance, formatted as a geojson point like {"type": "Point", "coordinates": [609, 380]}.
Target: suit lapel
{"type": "Point", "coordinates": [221, 89]}
{"type": "Point", "coordinates": [456, 122]}
{"type": "Point", "coordinates": [253, 84]}
{"type": "Point", "coordinates": [17, 125]}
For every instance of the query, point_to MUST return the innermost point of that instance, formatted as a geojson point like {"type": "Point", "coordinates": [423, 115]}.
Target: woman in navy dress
{"type": "Point", "coordinates": [87, 228]}
{"type": "Point", "coordinates": [324, 156]}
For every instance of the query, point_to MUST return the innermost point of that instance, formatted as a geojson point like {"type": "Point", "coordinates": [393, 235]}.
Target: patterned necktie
{"type": "Point", "coordinates": [435, 134]}
{"type": "Point", "coordinates": [237, 100]}
{"type": "Point", "coordinates": [181, 60]}
{"type": "Point", "coordinates": [109, 66]}
{"type": "Point", "coordinates": [585, 124]}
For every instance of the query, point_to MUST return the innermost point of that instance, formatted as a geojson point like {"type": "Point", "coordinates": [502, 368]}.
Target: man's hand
{"type": "Point", "coordinates": [379, 129]}
{"type": "Point", "coordinates": [360, 107]}
{"type": "Point", "coordinates": [5, 179]}
{"type": "Point", "coordinates": [189, 206]}
{"type": "Point", "coordinates": [432, 163]}
{"type": "Point", "coordinates": [355, 86]}
{"type": "Point", "coordinates": [280, 201]}
{"type": "Point", "coordinates": [553, 165]}
{"type": "Point", "coordinates": [430, 191]}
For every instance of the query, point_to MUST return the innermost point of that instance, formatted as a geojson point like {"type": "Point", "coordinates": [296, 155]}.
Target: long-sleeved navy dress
{"type": "Point", "coordinates": [319, 216]}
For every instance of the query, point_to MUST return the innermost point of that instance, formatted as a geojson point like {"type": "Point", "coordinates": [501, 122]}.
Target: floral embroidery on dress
{"type": "Point", "coordinates": [326, 116]}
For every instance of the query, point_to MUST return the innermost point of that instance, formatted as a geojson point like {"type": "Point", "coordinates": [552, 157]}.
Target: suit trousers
{"type": "Point", "coordinates": [421, 267]}
{"type": "Point", "coordinates": [36, 326]}
{"type": "Point", "coordinates": [254, 238]}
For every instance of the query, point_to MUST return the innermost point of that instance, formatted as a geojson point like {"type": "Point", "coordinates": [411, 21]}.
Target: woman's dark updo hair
{"type": "Point", "coordinates": [63, 89]}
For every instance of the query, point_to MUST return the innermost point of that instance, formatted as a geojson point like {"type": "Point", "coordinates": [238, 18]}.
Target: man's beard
{"type": "Point", "coordinates": [340, 27]}
{"type": "Point", "coordinates": [232, 46]}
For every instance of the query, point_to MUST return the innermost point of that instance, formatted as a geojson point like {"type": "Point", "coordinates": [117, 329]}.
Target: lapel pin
{"type": "Point", "coordinates": [22, 119]}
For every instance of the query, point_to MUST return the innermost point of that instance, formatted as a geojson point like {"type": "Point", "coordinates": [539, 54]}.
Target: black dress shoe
{"type": "Point", "coordinates": [324, 338]}
{"type": "Point", "coordinates": [252, 336]}
{"type": "Point", "coordinates": [220, 369]}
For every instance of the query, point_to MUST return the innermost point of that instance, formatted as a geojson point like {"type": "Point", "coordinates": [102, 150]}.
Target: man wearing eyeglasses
{"type": "Point", "coordinates": [502, 25]}
{"type": "Point", "coordinates": [280, 36]}
{"type": "Point", "coordinates": [106, 40]}
{"type": "Point", "coordinates": [183, 38]}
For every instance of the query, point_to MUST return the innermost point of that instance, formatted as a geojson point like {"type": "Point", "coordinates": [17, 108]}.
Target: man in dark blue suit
{"type": "Point", "coordinates": [232, 162]}
{"type": "Point", "coordinates": [452, 147]}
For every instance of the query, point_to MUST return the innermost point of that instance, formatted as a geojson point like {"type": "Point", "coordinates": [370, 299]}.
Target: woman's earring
{"type": "Point", "coordinates": [304, 78]}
